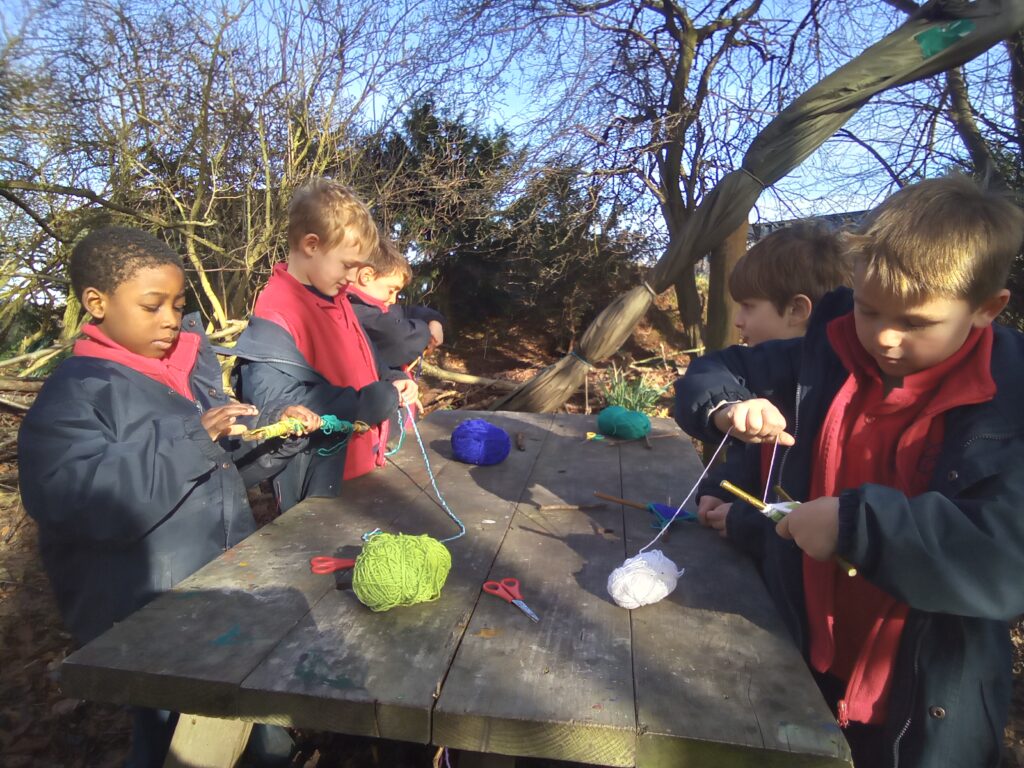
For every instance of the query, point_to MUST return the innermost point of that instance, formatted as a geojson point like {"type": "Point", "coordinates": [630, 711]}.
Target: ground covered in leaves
{"type": "Point", "coordinates": [40, 727]}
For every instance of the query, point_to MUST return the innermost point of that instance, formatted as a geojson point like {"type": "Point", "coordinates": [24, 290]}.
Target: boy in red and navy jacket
{"type": "Point", "coordinates": [127, 459]}
{"type": "Point", "coordinates": [399, 333]}
{"type": "Point", "coordinates": [908, 443]}
{"type": "Point", "coordinates": [304, 343]}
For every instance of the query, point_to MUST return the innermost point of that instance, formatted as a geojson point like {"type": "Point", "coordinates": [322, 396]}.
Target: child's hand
{"type": "Point", "coordinates": [220, 421]}
{"type": "Point", "coordinates": [753, 421]}
{"type": "Point", "coordinates": [310, 420]}
{"type": "Point", "coordinates": [712, 511]}
{"type": "Point", "coordinates": [408, 392]}
{"type": "Point", "coordinates": [814, 526]}
{"type": "Point", "coordinates": [436, 335]}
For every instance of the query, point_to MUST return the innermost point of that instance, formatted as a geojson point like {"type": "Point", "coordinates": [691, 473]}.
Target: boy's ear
{"type": "Point", "coordinates": [94, 301]}
{"type": "Point", "coordinates": [309, 243]}
{"type": "Point", "coordinates": [799, 309]}
{"type": "Point", "coordinates": [365, 276]}
{"type": "Point", "coordinates": [990, 308]}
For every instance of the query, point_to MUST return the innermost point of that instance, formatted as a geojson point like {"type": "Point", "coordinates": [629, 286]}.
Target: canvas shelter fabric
{"type": "Point", "coordinates": [797, 131]}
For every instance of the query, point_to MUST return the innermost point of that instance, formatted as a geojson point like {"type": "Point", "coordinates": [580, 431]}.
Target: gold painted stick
{"type": "Point", "coordinates": [767, 510]}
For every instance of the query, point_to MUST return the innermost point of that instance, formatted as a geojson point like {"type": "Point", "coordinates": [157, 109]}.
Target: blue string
{"type": "Point", "coordinates": [440, 498]}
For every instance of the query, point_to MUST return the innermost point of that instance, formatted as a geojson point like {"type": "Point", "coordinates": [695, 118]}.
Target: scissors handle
{"type": "Point", "coordinates": [507, 589]}
{"type": "Point", "coordinates": [323, 565]}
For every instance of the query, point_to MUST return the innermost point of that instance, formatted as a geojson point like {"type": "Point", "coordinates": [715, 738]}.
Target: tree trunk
{"type": "Point", "coordinates": [721, 309]}
{"type": "Point", "coordinates": [691, 309]}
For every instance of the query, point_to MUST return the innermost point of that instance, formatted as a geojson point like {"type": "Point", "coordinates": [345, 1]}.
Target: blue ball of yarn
{"type": "Point", "coordinates": [479, 442]}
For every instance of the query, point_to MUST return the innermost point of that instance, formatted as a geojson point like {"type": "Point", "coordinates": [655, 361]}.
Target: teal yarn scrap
{"type": "Point", "coordinates": [616, 421]}
{"type": "Point", "coordinates": [332, 425]}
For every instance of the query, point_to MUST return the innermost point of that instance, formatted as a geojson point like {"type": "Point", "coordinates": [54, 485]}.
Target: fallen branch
{"type": "Point", "coordinates": [31, 356]}
{"type": "Point", "coordinates": [20, 385]}
{"type": "Point", "coordinates": [465, 378]}
{"type": "Point", "coordinates": [13, 405]}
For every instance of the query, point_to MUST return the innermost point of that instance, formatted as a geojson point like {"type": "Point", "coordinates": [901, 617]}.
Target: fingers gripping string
{"type": "Point", "coordinates": [690, 494]}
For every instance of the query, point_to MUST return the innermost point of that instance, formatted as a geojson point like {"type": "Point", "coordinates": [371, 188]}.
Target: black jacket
{"type": "Point", "coordinates": [399, 335]}
{"type": "Point", "coordinates": [954, 554]}
{"type": "Point", "coordinates": [271, 368]}
{"type": "Point", "coordinates": [130, 494]}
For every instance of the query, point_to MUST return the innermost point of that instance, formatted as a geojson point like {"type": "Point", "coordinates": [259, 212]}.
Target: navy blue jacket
{"type": "Point", "coordinates": [271, 368]}
{"type": "Point", "coordinates": [130, 494]}
{"type": "Point", "coordinates": [954, 554]}
{"type": "Point", "coordinates": [399, 335]}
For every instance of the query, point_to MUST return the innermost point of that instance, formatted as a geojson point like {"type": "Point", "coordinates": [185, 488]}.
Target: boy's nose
{"type": "Point", "coordinates": [889, 338]}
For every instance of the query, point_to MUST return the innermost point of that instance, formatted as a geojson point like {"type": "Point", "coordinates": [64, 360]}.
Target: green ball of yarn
{"type": "Point", "coordinates": [616, 421]}
{"type": "Point", "coordinates": [397, 570]}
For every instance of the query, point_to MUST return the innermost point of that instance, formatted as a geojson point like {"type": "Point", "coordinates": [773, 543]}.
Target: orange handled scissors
{"type": "Point", "coordinates": [508, 590]}
{"type": "Point", "coordinates": [330, 564]}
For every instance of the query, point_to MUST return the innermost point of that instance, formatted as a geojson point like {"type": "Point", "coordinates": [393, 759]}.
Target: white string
{"type": "Point", "coordinates": [692, 491]}
{"type": "Point", "coordinates": [771, 466]}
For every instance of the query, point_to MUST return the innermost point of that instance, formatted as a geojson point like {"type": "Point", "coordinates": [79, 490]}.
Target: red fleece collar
{"type": "Point", "coordinates": [368, 299]}
{"type": "Point", "coordinates": [174, 370]}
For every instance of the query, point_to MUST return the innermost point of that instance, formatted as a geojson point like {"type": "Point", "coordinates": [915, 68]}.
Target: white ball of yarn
{"type": "Point", "coordinates": [644, 579]}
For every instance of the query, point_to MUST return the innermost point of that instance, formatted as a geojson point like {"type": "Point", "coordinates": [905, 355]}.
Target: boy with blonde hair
{"type": "Point", "coordinates": [776, 284]}
{"type": "Point", "coordinates": [908, 442]}
{"type": "Point", "coordinates": [304, 341]}
{"type": "Point", "coordinates": [400, 334]}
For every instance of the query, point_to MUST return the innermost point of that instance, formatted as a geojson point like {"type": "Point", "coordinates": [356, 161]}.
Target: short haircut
{"type": "Point", "coordinates": [107, 257]}
{"type": "Point", "coordinates": [943, 237]}
{"type": "Point", "coordinates": [805, 258]}
{"type": "Point", "coordinates": [333, 213]}
{"type": "Point", "coordinates": [387, 260]}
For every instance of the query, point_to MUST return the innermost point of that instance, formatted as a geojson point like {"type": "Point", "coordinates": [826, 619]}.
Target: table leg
{"type": "Point", "coordinates": [485, 760]}
{"type": "Point", "coordinates": [207, 742]}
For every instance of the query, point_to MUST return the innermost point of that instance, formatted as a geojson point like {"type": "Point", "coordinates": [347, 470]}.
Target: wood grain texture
{"type": "Point", "coordinates": [560, 688]}
{"type": "Point", "coordinates": [718, 679]}
{"type": "Point", "coordinates": [344, 668]}
{"type": "Point", "coordinates": [207, 742]}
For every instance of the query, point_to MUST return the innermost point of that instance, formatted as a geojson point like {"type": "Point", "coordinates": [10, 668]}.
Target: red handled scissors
{"type": "Point", "coordinates": [508, 590]}
{"type": "Point", "coordinates": [330, 564]}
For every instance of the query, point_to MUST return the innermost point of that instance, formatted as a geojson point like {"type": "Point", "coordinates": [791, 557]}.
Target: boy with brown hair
{"type": "Point", "coordinates": [776, 284]}
{"type": "Point", "coordinates": [304, 342]}
{"type": "Point", "coordinates": [782, 277]}
{"type": "Point", "coordinates": [400, 334]}
{"type": "Point", "coordinates": [908, 442]}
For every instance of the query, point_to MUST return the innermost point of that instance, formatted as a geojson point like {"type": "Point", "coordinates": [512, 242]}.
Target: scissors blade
{"type": "Point", "coordinates": [525, 609]}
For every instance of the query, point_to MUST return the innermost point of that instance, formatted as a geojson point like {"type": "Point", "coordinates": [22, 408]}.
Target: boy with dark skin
{"type": "Point", "coordinates": [126, 459]}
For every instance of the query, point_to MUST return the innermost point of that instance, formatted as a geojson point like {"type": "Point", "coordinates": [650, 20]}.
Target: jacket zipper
{"type": "Point", "coordinates": [910, 717]}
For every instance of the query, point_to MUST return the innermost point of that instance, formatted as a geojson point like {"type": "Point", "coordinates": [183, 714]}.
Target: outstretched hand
{"type": "Point", "coordinates": [220, 421]}
{"type": "Point", "coordinates": [753, 421]}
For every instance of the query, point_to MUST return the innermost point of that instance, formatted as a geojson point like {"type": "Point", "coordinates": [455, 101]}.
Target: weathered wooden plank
{"type": "Point", "coordinates": [560, 688]}
{"type": "Point", "coordinates": [207, 742]}
{"type": "Point", "coordinates": [718, 680]}
{"type": "Point", "coordinates": [189, 649]}
{"type": "Point", "coordinates": [344, 668]}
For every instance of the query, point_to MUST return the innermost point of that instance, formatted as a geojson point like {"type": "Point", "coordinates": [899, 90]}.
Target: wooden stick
{"type": "Point", "coordinates": [572, 507]}
{"type": "Point", "coordinates": [617, 500]}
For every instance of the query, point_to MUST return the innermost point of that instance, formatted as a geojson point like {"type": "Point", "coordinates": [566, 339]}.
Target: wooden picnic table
{"type": "Point", "coordinates": [708, 676]}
